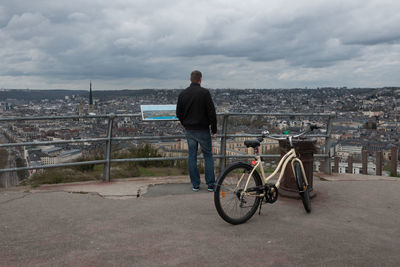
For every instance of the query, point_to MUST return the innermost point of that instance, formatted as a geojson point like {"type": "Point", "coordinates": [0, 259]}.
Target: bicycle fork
{"type": "Point", "coordinates": [301, 176]}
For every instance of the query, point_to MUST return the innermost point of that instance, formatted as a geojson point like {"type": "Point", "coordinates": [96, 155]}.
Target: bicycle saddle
{"type": "Point", "coordinates": [252, 143]}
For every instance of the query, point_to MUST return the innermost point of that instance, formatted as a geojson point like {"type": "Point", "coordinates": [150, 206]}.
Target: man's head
{"type": "Point", "coordinates": [195, 77]}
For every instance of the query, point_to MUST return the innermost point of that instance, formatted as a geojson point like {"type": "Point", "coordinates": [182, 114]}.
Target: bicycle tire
{"type": "Point", "coordinates": [232, 207]}
{"type": "Point", "coordinates": [303, 187]}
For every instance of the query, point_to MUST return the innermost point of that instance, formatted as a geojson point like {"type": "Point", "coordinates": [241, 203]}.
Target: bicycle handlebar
{"type": "Point", "coordinates": [266, 134]}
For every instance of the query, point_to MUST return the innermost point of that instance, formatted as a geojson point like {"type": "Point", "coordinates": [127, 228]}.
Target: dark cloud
{"type": "Point", "coordinates": [262, 42]}
{"type": "Point", "coordinates": [376, 40]}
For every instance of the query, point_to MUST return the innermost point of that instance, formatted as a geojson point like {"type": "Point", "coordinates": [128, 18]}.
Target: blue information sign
{"type": "Point", "coordinates": [158, 112]}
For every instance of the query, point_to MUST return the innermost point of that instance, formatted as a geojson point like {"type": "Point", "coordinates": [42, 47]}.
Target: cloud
{"type": "Point", "coordinates": [278, 43]}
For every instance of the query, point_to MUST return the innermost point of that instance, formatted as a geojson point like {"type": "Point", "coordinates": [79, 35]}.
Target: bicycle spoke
{"type": "Point", "coordinates": [231, 201]}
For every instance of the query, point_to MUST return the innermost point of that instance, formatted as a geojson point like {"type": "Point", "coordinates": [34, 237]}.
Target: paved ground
{"type": "Point", "coordinates": [354, 222]}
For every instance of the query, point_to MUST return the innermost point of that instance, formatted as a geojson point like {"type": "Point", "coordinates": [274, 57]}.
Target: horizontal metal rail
{"type": "Point", "coordinates": [72, 164]}
{"type": "Point", "coordinates": [271, 156]}
{"type": "Point", "coordinates": [41, 143]}
{"type": "Point", "coordinates": [34, 118]}
{"type": "Point", "coordinates": [67, 117]}
{"type": "Point", "coordinates": [137, 138]}
{"type": "Point", "coordinates": [224, 136]}
{"type": "Point", "coordinates": [281, 114]}
{"type": "Point", "coordinates": [69, 164]}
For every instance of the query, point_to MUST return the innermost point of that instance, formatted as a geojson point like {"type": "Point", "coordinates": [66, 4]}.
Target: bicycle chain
{"type": "Point", "coordinates": [271, 193]}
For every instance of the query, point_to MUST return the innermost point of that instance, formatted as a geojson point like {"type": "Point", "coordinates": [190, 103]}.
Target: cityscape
{"type": "Point", "coordinates": [94, 163]}
{"type": "Point", "coordinates": [365, 119]}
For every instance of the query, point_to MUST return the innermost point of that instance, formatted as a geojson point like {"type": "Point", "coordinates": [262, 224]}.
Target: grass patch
{"type": "Point", "coordinates": [386, 168]}
{"type": "Point", "coordinates": [61, 175]}
{"type": "Point", "coordinates": [145, 172]}
{"type": "Point", "coordinates": [120, 171]}
{"type": "Point", "coordinates": [123, 170]}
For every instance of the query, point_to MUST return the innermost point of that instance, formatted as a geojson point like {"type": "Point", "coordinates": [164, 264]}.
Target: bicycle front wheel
{"type": "Point", "coordinates": [303, 187]}
{"type": "Point", "coordinates": [232, 204]}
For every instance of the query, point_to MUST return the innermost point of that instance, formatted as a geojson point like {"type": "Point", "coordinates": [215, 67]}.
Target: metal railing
{"type": "Point", "coordinates": [108, 139]}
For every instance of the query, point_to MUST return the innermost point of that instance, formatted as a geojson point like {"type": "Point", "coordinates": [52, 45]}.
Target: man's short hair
{"type": "Point", "coordinates": [195, 76]}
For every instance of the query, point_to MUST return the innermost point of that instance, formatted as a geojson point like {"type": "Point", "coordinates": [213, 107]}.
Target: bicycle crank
{"type": "Point", "coordinates": [271, 193]}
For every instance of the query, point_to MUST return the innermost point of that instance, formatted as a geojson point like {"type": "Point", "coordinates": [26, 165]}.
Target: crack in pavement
{"type": "Point", "coordinates": [13, 199]}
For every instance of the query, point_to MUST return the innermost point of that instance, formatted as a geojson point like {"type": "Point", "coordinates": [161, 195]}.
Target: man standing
{"type": "Point", "coordinates": [196, 112]}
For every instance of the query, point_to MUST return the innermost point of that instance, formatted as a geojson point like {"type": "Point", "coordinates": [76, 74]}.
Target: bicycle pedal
{"type": "Point", "coordinates": [271, 194]}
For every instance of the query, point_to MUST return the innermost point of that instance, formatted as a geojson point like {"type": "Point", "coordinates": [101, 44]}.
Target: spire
{"type": "Point", "coordinates": [90, 95]}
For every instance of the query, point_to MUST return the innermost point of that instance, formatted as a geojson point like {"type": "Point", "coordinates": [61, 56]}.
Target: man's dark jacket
{"type": "Point", "coordinates": [195, 109]}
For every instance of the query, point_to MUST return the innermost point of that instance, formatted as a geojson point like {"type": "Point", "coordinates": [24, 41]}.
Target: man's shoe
{"type": "Point", "coordinates": [195, 188]}
{"type": "Point", "coordinates": [210, 188]}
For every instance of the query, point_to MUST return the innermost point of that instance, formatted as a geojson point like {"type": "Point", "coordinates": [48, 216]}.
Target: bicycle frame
{"type": "Point", "coordinates": [290, 156]}
{"type": "Point", "coordinates": [247, 191]}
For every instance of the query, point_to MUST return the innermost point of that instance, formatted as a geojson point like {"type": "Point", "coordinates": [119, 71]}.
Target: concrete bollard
{"type": "Point", "coordinates": [379, 163]}
{"type": "Point", "coordinates": [350, 164]}
{"type": "Point", "coordinates": [336, 168]}
{"type": "Point", "coordinates": [393, 161]}
{"type": "Point", "coordinates": [365, 162]}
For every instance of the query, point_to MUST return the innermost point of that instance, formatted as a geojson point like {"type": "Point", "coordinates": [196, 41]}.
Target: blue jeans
{"type": "Point", "coordinates": [194, 138]}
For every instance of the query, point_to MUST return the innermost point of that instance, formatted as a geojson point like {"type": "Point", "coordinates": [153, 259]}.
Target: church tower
{"type": "Point", "coordinates": [90, 95]}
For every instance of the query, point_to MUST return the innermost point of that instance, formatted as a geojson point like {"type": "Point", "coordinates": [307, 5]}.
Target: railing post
{"type": "Point", "coordinates": [365, 162]}
{"type": "Point", "coordinates": [379, 162]}
{"type": "Point", "coordinates": [222, 161]}
{"type": "Point", "coordinates": [327, 161]}
{"type": "Point", "coordinates": [107, 149]}
{"type": "Point", "coordinates": [350, 164]}
{"type": "Point", "coordinates": [393, 161]}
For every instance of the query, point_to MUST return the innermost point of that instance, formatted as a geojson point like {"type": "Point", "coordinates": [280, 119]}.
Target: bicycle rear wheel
{"type": "Point", "coordinates": [233, 206]}
{"type": "Point", "coordinates": [303, 187]}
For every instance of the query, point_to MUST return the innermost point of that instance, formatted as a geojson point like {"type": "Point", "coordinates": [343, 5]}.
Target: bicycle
{"type": "Point", "coordinates": [240, 189]}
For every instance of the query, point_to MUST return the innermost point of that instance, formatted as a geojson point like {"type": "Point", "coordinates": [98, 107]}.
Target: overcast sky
{"type": "Point", "coordinates": [129, 44]}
